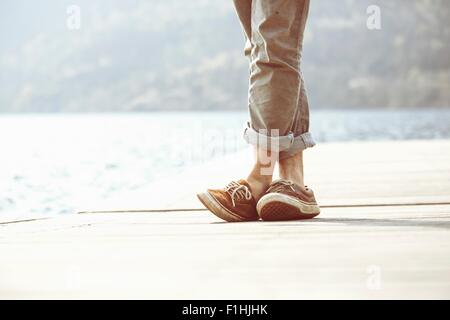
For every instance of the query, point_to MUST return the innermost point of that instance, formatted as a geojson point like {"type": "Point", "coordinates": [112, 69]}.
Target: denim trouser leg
{"type": "Point", "coordinates": [277, 97]}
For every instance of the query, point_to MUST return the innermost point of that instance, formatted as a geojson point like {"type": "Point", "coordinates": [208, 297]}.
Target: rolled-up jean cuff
{"type": "Point", "coordinates": [287, 145]}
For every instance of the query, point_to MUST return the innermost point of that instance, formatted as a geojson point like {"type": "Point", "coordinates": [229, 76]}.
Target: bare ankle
{"type": "Point", "coordinates": [297, 179]}
{"type": "Point", "coordinates": [258, 182]}
{"type": "Point", "coordinates": [258, 186]}
{"type": "Point", "coordinates": [260, 176]}
{"type": "Point", "coordinates": [292, 169]}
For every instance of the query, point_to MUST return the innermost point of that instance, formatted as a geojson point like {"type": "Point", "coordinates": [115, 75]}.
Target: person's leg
{"type": "Point", "coordinates": [291, 165]}
{"type": "Point", "coordinates": [279, 106]}
{"type": "Point", "coordinates": [261, 173]}
{"type": "Point", "coordinates": [277, 96]}
{"type": "Point", "coordinates": [237, 201]}
{"type": "Point", "coordinates": [279, 119]}
{"type": "Point", "coordinates": [278, 103]}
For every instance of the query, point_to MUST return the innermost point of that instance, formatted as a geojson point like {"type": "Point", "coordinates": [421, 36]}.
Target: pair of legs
{"type": "Point", "coordinates": [279, 118]}
{"type": "Point", "coordinates": [277, 101]}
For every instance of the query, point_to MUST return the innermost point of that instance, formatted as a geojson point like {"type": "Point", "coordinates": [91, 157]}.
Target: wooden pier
{"type": "Point", "coordinates": [384, 233]}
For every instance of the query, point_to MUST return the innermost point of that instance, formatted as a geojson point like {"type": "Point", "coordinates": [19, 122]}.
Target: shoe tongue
{"type": "Point", "coordinates": [280, 181]}
{"type": "Point", "coordinates": [286, 184]}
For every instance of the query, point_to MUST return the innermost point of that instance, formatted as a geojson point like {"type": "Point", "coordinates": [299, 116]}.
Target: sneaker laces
{"type": "Point", "coordinates": [237, 192]}
{"type": "Point", "coordinates": [280, 184]}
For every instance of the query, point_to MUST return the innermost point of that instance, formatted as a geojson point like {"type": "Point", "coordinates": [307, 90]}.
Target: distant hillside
{"type": "Point", "coordinates": [180, 55]}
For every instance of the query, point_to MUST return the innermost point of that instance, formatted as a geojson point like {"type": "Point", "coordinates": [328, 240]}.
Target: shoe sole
{"type": "Point", "coordinates": [217, 209]}
{"type": "Point", "coordinates": [280, 207]}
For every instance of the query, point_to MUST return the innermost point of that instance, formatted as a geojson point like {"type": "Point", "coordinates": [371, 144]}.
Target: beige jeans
{"type": "Point", "coordinates": [278, 105]}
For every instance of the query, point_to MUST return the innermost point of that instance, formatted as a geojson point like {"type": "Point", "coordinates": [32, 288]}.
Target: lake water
{"type": "Point", "coordinates": [50, 163]}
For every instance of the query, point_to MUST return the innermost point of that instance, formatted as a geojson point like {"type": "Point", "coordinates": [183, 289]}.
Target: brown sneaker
{"type": "Point", "coordinates": [234, 203]}
{"type": "Point", "coordinates": [285, 200]}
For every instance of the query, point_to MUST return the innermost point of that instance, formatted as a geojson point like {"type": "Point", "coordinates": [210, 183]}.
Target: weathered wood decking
{"type": "Point", "coordinates": [384, 232]}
